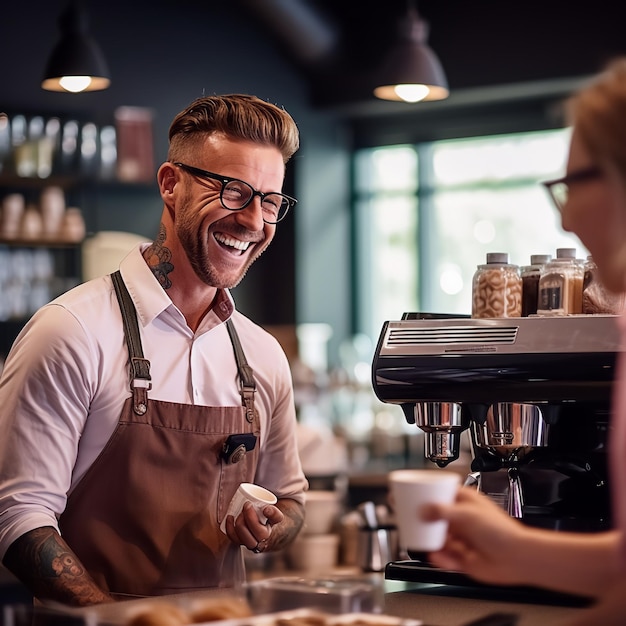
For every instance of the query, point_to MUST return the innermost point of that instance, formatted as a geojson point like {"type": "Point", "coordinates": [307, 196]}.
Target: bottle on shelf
{"type": "Point", "coordinates": [530, 282]}
{"type": "Point", "coordinates": [24, 159]}
{"type": "Point", "coordinates": [5, 143]}
{"type": "Point", "coordinates": [497, 288]}
{"type": "Point", "coordinates": [48, 148]}
{"type": "Point", "coordinates": [89, 150]}
{"type": "Point", "coordinates": [108, 152]}
{"type": "Point", "coordinates": [560, 285]}
{"type": "Point", "coordinates": [68, 162]}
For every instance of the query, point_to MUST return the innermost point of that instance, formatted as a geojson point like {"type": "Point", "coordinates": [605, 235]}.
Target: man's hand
{"type": "Point", "coordinates": [284, 521]}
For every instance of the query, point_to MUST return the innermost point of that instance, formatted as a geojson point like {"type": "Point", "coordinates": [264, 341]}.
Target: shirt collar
{"type": "Point", "coordinates": [151, 300]}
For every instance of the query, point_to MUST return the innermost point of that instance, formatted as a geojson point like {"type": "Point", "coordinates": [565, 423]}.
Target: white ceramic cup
{"type": "Point", "coordinates": [410, 490]}
{"type": "Point", "coordinates": [258, 496]}
{"type": "Point", "coordinates": [314, 553]}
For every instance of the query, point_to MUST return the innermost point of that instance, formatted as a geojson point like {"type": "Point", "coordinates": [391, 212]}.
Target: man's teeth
{"type": "Point", "coordinates": [233, 243]}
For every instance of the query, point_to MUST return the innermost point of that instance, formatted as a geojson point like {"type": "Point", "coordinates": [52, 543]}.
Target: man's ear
{"type": "Point", "coordinates": [167, 177]}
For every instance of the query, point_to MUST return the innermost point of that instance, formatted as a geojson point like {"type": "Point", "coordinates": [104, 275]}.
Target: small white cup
{"type": "Point", "coordinates": [258, 496]}
{"type": "Point", "coordinates": [314, 553]}
{"type": "Point", "coordinates": [410, 490]}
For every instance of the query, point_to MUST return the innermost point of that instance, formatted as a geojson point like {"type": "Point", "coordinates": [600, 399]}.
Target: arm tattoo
{"type": "Point", "coordinates": [158, 258]}
{"type": "Point", "coordinates": [45, 564]}
{"type": "Point", "coordinates": [285, 532]}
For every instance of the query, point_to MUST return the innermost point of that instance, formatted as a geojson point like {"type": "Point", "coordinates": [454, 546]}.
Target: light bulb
{"type": "Point", "coordinates": [75, 84]}
{"type": "Point", "coordinates": [412, 93]}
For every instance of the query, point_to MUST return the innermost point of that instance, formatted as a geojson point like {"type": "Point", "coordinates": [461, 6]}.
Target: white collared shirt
{"type": "Point", "coordinates": [66, 378]}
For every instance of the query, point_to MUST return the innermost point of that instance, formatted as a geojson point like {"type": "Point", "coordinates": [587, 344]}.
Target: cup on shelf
{"type": "Point", "coordinates": [13, 207]}
{"type": "Point", "coordinates": [314, 553]}
{"type": "Point", "coordinates": [52, 205]}
{"type": "Point", "coordinates": [32, 225]}
{"type": "Point", "coordinates": [73, 227]}
{"type": "Point", "coordinates": [322, 509]}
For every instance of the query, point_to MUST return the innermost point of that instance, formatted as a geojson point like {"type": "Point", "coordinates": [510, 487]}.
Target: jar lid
{"type": "Point", "coordinates": [566, 253]}
{"type": "Point", "coordinates": [498, 257]}
{"type": "Point", "coordinates": [540, 259]}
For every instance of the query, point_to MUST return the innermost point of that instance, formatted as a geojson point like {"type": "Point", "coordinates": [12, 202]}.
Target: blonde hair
{"type": "Point", "coordinates": [236, 116]}
{"type": "Point", "coordinates": [598, 112]}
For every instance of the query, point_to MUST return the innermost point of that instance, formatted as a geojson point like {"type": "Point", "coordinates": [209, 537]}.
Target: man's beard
{"type": "Point", "coordinates": [193, 242]}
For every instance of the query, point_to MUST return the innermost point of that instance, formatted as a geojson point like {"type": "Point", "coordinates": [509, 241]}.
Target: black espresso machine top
{"type": "Point", "coordinates": [425, 357]}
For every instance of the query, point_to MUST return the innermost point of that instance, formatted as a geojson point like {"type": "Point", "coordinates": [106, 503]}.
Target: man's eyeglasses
{"type": "Point", "coordinates": [559, 188]}
{"type": "Point", "coordinates": [236, 195]}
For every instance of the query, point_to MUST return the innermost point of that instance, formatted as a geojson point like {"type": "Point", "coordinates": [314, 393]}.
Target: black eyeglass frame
{"type": "Point", "coordinates": [587, 173]}
{"type": "Point", "coordinates": [224, 180]}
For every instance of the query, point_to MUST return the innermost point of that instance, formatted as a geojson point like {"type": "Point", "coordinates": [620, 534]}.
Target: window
{"type": "Point", "coordinates": [427, 214]}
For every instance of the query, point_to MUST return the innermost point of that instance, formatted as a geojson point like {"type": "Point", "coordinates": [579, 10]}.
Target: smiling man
{"type": "Point", "coordinates": [134, 405]}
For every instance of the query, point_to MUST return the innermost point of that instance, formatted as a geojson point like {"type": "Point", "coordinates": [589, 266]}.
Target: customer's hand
{"type": "Point", "coordinates": [483, 540]}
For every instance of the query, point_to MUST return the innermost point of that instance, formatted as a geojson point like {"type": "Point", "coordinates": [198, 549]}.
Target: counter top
{"type": "Point", "coordinates": [434, 605]}
{"type": "Point", "coordinates": [445, 605]}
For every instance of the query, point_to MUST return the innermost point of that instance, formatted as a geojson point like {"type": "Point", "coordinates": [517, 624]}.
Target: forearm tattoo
{"type": "Point", "coordinates": [159, 259]}
{"type": "Point", "coordinates": [47, 566]}
{"type": "Point", "coordinates": [284, 533]}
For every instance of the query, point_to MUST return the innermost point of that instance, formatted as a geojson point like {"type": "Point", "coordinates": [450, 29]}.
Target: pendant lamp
{"type": "Point", "coordinates": [76, 63]}
{"type": "Point", "coordinates": [411, 71]}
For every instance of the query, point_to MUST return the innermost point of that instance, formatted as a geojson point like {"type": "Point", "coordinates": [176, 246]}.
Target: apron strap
{"type": "Point", "coordinates": [246, 375]}
{"type": "Point", "coordinates": [139, 366]}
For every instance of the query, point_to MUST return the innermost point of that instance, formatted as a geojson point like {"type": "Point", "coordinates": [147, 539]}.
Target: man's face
{"type": "Point", "coordinates": [221, 244]}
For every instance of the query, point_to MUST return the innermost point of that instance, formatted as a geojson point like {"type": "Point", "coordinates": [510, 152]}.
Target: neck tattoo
{"type": "Point", "coordinates": [158, 258]}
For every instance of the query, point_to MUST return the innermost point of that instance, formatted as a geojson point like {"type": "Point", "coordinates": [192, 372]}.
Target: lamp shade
{"type": "Point", "coordinates": [76, 62]}
{"type": "Point", "coordinates": [410, 70]}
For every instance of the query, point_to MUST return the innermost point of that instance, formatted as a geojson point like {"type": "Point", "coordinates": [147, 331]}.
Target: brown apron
{"type": "Point", "coordinates": [144, 520]}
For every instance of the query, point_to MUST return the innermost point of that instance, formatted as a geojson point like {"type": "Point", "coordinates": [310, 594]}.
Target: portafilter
{"type": "Point", "coordinates": [511, 430]}
{"type": "Point", "coordinates": [443, 423]}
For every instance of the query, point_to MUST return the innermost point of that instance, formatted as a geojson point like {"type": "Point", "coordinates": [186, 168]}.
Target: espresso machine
{"type": "Point", "coordinates": [534, 395]}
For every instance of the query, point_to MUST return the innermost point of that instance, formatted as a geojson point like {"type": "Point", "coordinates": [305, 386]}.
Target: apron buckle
{"type": "Point", "coordinates": [247, 394]}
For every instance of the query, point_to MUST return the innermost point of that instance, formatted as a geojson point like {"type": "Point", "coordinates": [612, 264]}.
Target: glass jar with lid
{"type": "Point", "coordinates": [530, 282]}
{"type": "Point", "coordinates": [560, 285]}
{"type": "Point", "coordinates": [497, 288]}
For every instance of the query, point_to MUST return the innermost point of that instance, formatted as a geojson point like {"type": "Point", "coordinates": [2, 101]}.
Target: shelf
{"type": "Point", "coordinates": [38, 243]}
{"type": "Point", "coordinates": [66, 182]}
{"type": "Point", "coordinates": [15, 181]}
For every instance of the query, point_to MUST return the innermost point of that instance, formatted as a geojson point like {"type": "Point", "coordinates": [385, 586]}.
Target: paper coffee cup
{"type": "Point", "coordinates": [410, 490]}
{"type": "Point", "coordinates": [258, 496]}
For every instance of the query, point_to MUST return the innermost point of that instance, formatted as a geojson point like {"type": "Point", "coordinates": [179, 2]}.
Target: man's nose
{"type": "Point", "coordinates": [252, 216]}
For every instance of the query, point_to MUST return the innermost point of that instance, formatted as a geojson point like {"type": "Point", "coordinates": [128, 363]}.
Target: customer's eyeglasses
{"type": "Point", "coordinates": [236, 195]}
{"type": "Point", "coordinates": [559, 188]}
